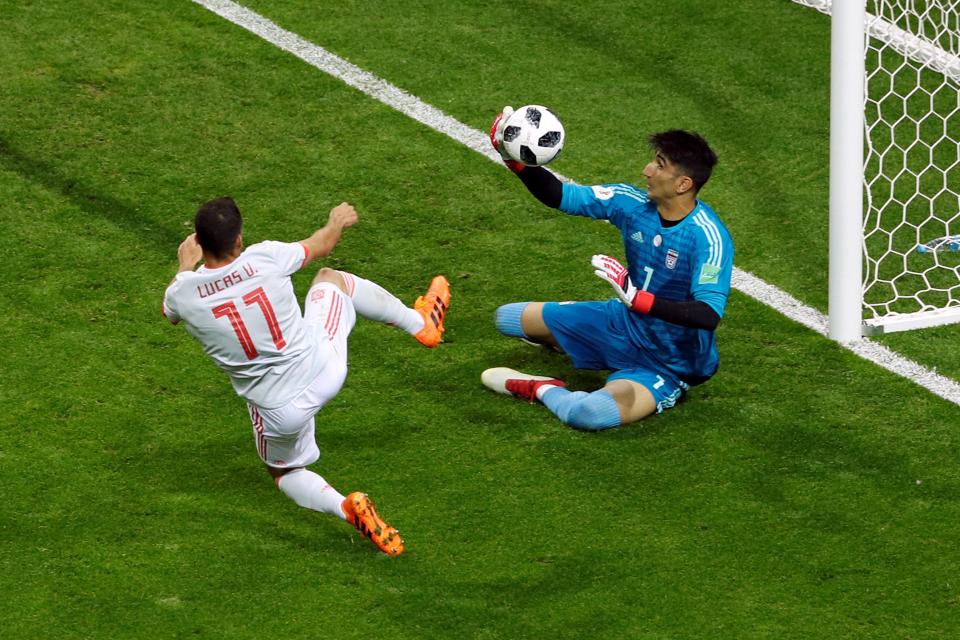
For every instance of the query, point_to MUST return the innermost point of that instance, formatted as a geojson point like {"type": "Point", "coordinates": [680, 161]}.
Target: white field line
{"type": "Point", "coordinates": [432, 117]}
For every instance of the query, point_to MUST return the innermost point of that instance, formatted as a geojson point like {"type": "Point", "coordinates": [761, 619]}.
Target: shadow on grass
{"type": "Point", "coordinates": [91, 201]}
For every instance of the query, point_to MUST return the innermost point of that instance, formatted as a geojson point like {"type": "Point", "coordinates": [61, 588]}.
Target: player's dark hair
{"type": "Point", "coordinates": [688, 151]}
{"type": "Point", "coordinates": [218, 223]}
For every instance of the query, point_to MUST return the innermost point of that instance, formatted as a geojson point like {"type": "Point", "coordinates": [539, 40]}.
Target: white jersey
{"type": "Point", "coordinates": [246, 317]}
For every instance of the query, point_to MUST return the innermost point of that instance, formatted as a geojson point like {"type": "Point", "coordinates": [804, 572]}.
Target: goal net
{"type": "Point", "coordinates": [911, 163]}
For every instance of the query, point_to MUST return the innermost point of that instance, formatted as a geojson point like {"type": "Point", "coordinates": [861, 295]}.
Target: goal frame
{"type": "Point", "coordinates": [851, 28]}
{"type": "Point", "coordinates": [847, 87]}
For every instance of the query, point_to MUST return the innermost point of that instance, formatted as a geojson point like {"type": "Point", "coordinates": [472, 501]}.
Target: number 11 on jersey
{"type": "Point", "coordinates": [229, 310]}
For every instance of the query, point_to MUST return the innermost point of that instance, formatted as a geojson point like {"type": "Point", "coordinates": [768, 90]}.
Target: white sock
{"type": "Point", "coordinates": [376, 303]}
{"type": "Point", "coordinates": [543, 389]}
{"type": "Point", "coordinates": [311, 491]}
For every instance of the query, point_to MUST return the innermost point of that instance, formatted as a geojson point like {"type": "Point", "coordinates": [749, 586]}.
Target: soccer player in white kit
{"type": "Point", "coordinates": [240, 305]}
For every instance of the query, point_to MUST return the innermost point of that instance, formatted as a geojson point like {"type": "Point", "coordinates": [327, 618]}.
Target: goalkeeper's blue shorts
{"type": "Point", "coordinates": [593, 336]}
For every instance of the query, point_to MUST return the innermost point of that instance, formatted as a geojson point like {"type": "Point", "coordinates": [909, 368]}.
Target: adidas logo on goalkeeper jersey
{"type": "Point", "coordinates": [637, 236]}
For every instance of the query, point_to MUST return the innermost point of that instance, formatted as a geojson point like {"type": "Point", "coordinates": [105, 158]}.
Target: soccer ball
{"type": "Point", "coordinates": [533, 135]}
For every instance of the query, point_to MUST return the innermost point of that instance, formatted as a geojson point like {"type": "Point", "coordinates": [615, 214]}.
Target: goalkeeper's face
{"type": "Point", "coordinates": [665, 180]}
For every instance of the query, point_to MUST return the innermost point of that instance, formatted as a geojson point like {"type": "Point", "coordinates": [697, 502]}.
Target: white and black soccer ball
{"type": "Point", "coordinates": [533, 135]}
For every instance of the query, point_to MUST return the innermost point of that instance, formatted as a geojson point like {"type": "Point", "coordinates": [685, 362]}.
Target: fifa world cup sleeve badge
{"type": "Point", "coordinates": [709, 274]}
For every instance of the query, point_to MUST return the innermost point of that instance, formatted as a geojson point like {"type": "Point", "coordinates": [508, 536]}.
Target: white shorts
{"type": "Point", "coordinates": [285, 435]}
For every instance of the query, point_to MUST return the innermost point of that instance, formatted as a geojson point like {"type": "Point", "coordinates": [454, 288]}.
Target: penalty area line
{"type": "Point", "coordinates": [411, 106]}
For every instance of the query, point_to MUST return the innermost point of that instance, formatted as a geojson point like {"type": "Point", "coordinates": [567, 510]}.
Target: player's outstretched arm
{"type": "Point", "coordinates": [323, 240]}
{"type": "Point", "coordinates": [544, 186]}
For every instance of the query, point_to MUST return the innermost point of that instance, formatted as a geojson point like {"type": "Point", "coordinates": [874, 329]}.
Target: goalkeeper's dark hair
{"type": "Point", "coordinates": [687, 150]}
{"type": "Point", "coordinates": [218, 223]}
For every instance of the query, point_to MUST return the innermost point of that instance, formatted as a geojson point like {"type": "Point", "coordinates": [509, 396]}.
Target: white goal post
{"type": "Point", "coordinates": [894, 165]}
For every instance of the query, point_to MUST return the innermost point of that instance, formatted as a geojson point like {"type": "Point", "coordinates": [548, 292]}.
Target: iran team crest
{"type": "Point", "coordinates": [672, 256]}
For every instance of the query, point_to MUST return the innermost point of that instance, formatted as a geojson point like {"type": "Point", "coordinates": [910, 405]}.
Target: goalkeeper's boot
{"type": "Point", "coordinates": [362, 515]}
{"type": "Point", "coordinates": [433, 307]}
{"type": "Point", "coordinates": [521, 385]}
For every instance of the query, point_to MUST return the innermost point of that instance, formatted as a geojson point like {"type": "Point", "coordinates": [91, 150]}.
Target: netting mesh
{"type": "Point", "coordinates": [912, 161]}
{"type": "Point", "coordinates": [912, 155]}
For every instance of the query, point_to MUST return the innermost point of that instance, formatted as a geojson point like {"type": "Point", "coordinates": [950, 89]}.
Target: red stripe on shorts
{"type": "Point", "coordinates": [350, 282]}
{"type": "Point", "coordinates": [333, 320]}
{"type": "Point", "coordinates": [258, 427]}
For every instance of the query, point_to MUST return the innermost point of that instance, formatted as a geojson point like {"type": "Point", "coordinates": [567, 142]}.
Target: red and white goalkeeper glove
{"type": "Point", "coordinates": [612, 271]}
{"type": "Point", "coordinates": [496, 139]}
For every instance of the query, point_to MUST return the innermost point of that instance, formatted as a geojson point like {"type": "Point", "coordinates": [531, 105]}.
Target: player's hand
{"type": "Point", "coordinates": [610, 270]}
{"type": "Point", "coordinates": [189, 252]}
{"type": "Point", "coordinates": [496, 139]}
{"type": "Point", "coordinates": [342, 216]}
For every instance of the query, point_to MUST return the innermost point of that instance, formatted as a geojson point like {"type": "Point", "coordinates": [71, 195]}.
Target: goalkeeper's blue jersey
{"type": "Point", "coordinates": [691, 260]}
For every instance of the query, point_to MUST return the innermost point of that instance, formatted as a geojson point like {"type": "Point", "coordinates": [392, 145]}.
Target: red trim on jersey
{"type": "Point", "coordinates": [306, 255]}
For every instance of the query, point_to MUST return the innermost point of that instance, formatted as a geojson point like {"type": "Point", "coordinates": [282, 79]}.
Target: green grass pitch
{"type": "Point", "coordinates": [802, 493]}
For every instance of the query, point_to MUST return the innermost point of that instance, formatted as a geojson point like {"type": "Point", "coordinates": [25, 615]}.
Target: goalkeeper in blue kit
{"type": "Point", "coordinates": [657, 336]}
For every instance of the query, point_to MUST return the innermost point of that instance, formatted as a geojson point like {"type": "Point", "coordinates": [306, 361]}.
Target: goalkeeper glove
{"type": "Point", "coordinates": [612, 271]}
{"type": "Point", "coordinates": [496, 139]}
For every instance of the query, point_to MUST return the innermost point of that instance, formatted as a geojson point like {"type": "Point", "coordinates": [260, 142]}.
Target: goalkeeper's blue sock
{"type": "Point", "coordinates": [581, 410]}
{"type": "Point", "coordinates": [507, 319]}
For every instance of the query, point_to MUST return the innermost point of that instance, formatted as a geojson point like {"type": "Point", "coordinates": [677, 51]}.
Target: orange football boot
{"type": "Point", "coordinates": [433, 307]}
{"type": "Point", "coordinates": [362, 515]}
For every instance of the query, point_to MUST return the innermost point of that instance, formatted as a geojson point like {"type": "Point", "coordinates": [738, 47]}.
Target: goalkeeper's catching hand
{"type": "Point", "coordinates": [610, 269]}
{"type": "Point", "coordinates": [496, 139]}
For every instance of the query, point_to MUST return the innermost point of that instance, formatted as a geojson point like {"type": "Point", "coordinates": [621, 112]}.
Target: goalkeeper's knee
{"type": "Point", "coordinates": [507, 319]}
{"type": "Point", "coordinates": [587, 411]}
{"type": "Point", "coordinates": [595, 412]}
